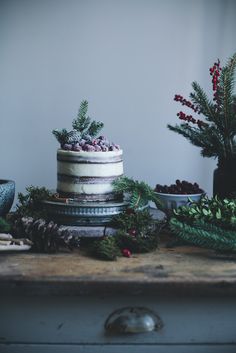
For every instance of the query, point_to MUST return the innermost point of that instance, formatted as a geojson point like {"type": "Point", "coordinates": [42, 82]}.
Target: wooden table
{"type": "Point", "coordinates": [59, 303]}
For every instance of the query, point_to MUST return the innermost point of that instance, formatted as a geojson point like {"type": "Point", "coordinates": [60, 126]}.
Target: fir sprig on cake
{"type": "Point", "coordinates": [87, 165]}
{"type": "Point", "coordinates": [84, 136]}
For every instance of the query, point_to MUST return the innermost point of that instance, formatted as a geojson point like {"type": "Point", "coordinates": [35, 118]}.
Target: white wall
{"type": "Point", "coordinates": [127, 58]}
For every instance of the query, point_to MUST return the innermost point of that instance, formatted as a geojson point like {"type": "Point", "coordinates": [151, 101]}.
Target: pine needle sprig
{"type": "Point", "coordinates": [4, 226]}
{"type": "Point", "coordinates": [94, 128]}
{"type": "Point", "coordinates": [227, 87]}
{"type": "Point", "coordinates": [82, 122]}
{"type": "Point", "coordinates": [61, 136]}
{"type": "Point", "coordinates": [140, 220]}
{"type": "Point", "coordinates": [139, 193]}
{"type": "Point", "coordinates": [83, 128]}
{"type": "Point", "coordinates": [137, 232]}
{"type": "Point", "coordinates": [29, 204]}
{"type": "Point", "coordinates": [206, 107]}
{"type": "Point", "coordinates": [202, 237]}
{"type": "Point", "coordinates": [83, 109]}
{"type": "Point", "coordinates": [198, 138]}
{"type": "Point", "coordinates": [216, 136]}
{"type": "Point", "coordinates": [140, 244]}
{"type": "Point", "coordinates": [213, 228]}
{"type": "Point", "coordinates": [105, 249]}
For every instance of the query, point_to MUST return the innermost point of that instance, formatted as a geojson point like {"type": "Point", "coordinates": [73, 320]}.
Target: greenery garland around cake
{"type": "Point", "coordinates": [210, 223]}
{"type": "Point", "coordinates": [137, 231]}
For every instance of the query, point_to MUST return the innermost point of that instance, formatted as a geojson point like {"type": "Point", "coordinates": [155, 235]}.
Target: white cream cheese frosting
{"type": "Point", "coordinates": [88, 175]}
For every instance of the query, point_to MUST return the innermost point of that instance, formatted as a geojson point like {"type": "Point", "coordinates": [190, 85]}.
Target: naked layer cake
{"type": "Point", "coordinates": [86, 164]}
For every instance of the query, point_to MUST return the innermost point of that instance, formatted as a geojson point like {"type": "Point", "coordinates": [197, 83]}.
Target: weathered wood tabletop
{"type": "Point", "coordinates": [167, 270]}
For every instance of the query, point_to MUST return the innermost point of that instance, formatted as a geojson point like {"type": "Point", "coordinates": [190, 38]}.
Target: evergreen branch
{"type": "Point", "coordinates": [217, 139]}
{"type": "Point", "coordinates": [206, 107]}
{"type": "Point", "coordinates": [222, 232]}
{"type": "Point", "coordinates": [4, 226]}
{"type": "Point", "coordinates": [139, 244]}
{"type": "Point", "coordinates": [135, 200]}
{"type": "Point", "coordinates": [82, 122]}
{"type": "Point", "coordinates": [29, 204]}
{"type": "Point", "coordinates": [227, 88]}
{"type": "Point", "coordinates": [94, 128]}
{"type": "Point", "coordinates": [105, 249]}
{"type": "Point", "coordinates": [233, 122]}
{"type": "Point", "coordinates": [82, 126]}
{"type": "Point", "coordinates": [214, 142]}
{"type": "Point", "coordinates": [139, 192]}
{"type": "Point", "coordinates": [201, 237]}
{"type": "Point", "coordinates": [141, 221]}
{"type": "Point", "coordinates": [198, 137]}
{"type": "Point", "coordinates": [61, 136]}
{"type": "Point", "coordinates": [83, 109]}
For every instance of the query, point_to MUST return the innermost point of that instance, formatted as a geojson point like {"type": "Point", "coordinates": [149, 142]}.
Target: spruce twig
{"type": "Point", "coordinates": [83, 128]}
{"type": "Point", "coordinates": [199, 97]}
{"type": "Point", "coordinates": [207, 238]}
{"type": "Point", "coordinates": [29, 204]}
{"type": "Point", "coordinates": [139, 192]}
{"type": "Point", "coordinates": [216, 137]}
{"type": "Point", "coordinates": [105, 249]}
{"type": "Point", "coordinates": [61, 136]}
{"type": "Point", "coordinates": [95, 128]}
{"type": "Point", "coordinates": [4, 226]}
{"type": "Point", "coordinates": [82, 122]}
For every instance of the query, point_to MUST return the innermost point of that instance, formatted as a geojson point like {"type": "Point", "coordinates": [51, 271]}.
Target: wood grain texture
{"type": "Point", "coordinates": [180, 270]}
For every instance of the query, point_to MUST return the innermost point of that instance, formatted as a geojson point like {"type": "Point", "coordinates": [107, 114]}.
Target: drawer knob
{"type": "Point", "coordinates": [133, 320]}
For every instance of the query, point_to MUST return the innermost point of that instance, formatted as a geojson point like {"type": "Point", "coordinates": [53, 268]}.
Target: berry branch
{"type": "Point", "coordinates": [217, 136]}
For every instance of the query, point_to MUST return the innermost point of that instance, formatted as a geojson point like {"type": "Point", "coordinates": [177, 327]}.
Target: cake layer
{"type": "Point", "coordinates": [74, 169]}
{"type": "Point", "coordinates": [93, 197]}
{"type": "Point", "coordinates": [82, 188]}
{"type": "Point", "coordinates": [88, 175]}
{"type": "Point", "coordinates": [89, 157]}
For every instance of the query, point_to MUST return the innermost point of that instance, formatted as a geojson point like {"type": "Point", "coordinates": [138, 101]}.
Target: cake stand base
{"type": "Point", "coordinates": [73, 213]}
{"type": "Point", "coordinates": [82, 220]}
{"type": "Point", "coordinates": [88, 231]}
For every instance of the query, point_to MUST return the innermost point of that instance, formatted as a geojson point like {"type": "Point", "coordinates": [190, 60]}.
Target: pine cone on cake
{"type": "Point", "coordinates": [73, 137]}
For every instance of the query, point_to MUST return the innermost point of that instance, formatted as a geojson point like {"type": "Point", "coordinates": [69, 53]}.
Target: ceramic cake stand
{"type": "Point", "coordinates": [86, 219]}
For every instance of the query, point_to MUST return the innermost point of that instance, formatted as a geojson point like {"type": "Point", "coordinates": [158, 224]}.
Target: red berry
{"type": "Point", "coordinates": [126, 253]}
{"type": "Point", "coordinates": [130, 211]}
{"type": "Point", "coordinates": [132, 232]}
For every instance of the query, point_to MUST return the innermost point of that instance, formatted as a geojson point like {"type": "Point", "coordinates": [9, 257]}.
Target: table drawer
{"type": "Point", "coordinates": [80, 320]}
{"type": "Point", "coordinates": [43, 348]}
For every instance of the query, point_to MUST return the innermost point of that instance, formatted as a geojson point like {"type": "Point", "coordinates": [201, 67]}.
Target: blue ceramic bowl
{"type": "Point", "coordinates": [7, 194]}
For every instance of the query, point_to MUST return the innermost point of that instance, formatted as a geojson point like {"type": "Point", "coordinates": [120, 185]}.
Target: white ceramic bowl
{"type": "Point", "coordinates": [171, 201]}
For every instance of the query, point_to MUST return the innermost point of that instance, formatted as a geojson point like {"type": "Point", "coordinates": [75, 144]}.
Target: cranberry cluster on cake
{"type": "Point", "coordinates": [100, 144]}
{"type": "Point", "coordinates": [87, 165]}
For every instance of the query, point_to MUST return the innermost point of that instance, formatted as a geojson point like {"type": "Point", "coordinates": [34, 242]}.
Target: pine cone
{"type": "Point", "coordinates": [46, 236]}
{"type": "Point", "coordinates": [73, 137]}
